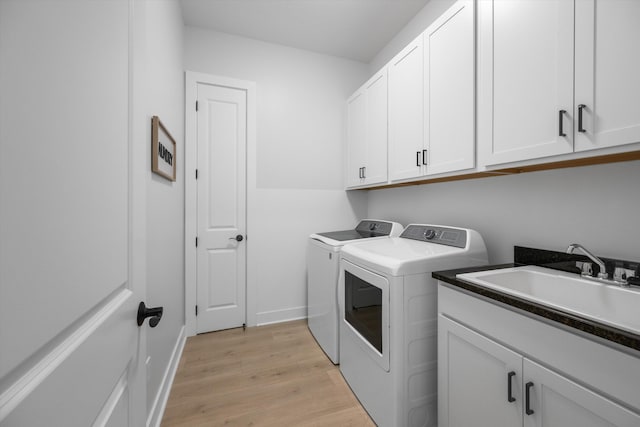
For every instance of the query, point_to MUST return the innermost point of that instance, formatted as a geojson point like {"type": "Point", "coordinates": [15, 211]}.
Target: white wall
{"type": "Point", "coordinates": [299, 181]}
{"type": "Point", "coordinates": [164, 97]}
{"type": "Point", "coordinates": [596, 206]}
{"type": "Point", "coordinates": [432, 10]}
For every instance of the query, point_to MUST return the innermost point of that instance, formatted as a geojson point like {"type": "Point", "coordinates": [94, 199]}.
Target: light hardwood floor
{"type": "Point", "coordinates": [274, 375]}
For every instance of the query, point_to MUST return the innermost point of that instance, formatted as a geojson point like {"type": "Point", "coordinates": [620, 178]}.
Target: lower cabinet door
{"type": "Point", "coordinates": [555, 400]}
{"type": "Point", "coordinates": [479, 380]}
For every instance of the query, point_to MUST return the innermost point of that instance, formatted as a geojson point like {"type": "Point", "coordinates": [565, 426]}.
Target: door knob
{"type": "Point", "coordinates": [155, 313]}
{"type": "Point", "coordinates": [238, 238]}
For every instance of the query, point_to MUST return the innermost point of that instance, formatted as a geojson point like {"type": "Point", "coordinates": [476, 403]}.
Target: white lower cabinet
{"type": "Point", "coordinates": [473, 377]}
{"type": "Point", "coordinates": [553, 400]}
{"type": "Point", "coordinates": [483, 383]}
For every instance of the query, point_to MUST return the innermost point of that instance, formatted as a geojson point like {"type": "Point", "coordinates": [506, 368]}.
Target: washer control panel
{"type": "Point", "coordinates": [436, 234]}
{"type": "Point", "coordinates": [375, 228]}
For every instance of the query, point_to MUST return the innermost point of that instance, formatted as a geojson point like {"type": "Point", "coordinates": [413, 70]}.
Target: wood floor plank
{"type": "Point", "coordinates": [273, 375]}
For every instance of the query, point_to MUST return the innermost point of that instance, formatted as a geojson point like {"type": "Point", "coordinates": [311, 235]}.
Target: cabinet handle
{"type": "Point", "coordinates": [418, 158]}
{"type": "Point", "coordinates": [560, 121]}
{"type": "Point", "coordinates": [360, 173]}
{"type": "Point", "coordinates": [424, 157]}
{"type": "Point", "coordinates": [364, 172]}
{"type": "Point", "coordinates": [527, 392]}
{"type": "Point", "coordinates": [510, 397]}
{"type": "Point", "coordinates": [580, 108]}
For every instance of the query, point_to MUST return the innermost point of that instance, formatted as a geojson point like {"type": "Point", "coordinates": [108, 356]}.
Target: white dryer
{"type": "Point", "coordinates": [388, 312]}
{"type": "Point", "coordinates": [323, 256]}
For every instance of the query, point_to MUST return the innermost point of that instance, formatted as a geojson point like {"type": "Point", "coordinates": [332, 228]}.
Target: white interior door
{"type": "Point", "coordinates": [71, 353]}
{"type": "Point", "coordinates": [221, 207]}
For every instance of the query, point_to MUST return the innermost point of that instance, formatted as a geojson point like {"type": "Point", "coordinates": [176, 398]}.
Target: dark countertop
{"type": "Point", "coordinates": [558, 261]}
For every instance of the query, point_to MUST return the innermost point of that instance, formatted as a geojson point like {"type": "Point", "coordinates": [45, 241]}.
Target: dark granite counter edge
{"type": "Point", "coordinates": [588, 326]}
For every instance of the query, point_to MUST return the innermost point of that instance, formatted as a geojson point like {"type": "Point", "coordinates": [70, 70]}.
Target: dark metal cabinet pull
{"type": "Point", "coordinates": [510, 397]}
{"type": "Point", "coordinates": [418, 158]}
{"type": "Point", "coordinates": [360, 173]}
{"type": "Point", "coordinates": [364, 172]}
{"type": "Point", "coordinates": [560, 122]}
{"type": "Point", "coordinates": [580, 108]}
{"type": "Point", "coordinates": [424, 157]}
{"type": "Point", "coordinates": [527, 392]}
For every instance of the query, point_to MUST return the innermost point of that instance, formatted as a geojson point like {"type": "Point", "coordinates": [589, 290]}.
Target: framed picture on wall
{"type": "Point", "coordinates": [163, 150]}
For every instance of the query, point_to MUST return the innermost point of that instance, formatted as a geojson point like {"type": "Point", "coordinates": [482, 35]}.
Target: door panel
{"type": "Point", "coordinates": [223, 262]}
{"type": "Point", "coordinates": [449, 47]}
{"type": "Point", "coordinates": [406, 112]}
{"type": "Point", "coordinates": [357, 147]}
{"type": "Point", "coordinates": [607, 59]}
{"type": "Point", "coordinates": [221, 259]}
{"type": "Point", "coordinates": [376, 130]}
{"type": "Point", "coordinates": [473, 379]}
{"type": "Point", "coordinates": [558, 401]}
{"type": "Point", "coordinates": [75, 382]}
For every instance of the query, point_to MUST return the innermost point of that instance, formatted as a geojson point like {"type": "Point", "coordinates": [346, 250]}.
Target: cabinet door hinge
{"type": "Point", "coordinates": [196, 105]}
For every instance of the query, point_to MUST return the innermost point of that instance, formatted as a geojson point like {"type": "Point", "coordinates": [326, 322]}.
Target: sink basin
{"type": "Point", "coordinates": [609, 304]}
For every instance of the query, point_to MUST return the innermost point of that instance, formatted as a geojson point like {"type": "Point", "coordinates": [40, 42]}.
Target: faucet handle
{"type": "Point", "coordinates": [585, 267]}
{"type": "Point", "coordinates": [621, 274]}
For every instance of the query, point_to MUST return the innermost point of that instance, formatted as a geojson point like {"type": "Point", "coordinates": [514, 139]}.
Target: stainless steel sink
{"type": "Point", "coordinates": [608, 304]}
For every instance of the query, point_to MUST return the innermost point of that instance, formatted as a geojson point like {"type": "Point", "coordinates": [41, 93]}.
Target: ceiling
{"type": "Point", "coordinates": [353, 29]}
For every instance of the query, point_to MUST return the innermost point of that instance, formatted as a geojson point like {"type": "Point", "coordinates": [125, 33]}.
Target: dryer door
{"type": "Point", "coordinates": [366, 311]}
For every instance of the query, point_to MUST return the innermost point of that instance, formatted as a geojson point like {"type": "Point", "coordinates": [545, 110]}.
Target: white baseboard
{"type": "Point", "coordinates": [160, 402]}
{"type": "Point", "coordinates": [285, 315]}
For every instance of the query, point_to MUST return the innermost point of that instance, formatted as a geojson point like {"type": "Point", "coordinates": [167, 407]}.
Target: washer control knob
{"type": "Point", "coordinates": [429, 234]}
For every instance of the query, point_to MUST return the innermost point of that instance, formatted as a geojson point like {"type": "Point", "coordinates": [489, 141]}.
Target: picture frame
{"type": "Point", "coordinates": [163, 150]}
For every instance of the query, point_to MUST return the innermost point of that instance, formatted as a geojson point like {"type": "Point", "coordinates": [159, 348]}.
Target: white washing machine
{"type": "Point", "coordinates": [388, 318]}
{"type": "Point", "coordinates": [323, 256]}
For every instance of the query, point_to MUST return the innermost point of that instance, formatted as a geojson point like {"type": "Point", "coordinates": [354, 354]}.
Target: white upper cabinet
{"type": "Point", "coordinates": [449, 76]}
{"type": "Point", "coordinates": [416, 117]}
{"type": "Point", "coordinates": [525, 70]}
{"type": "Point", "coordinates": [375, 170]}
{"type": "Point", "coordinates": [606, 78]}
{"type": "Point", "coordinates": [432, 98]}
{"type": "Point", "coordinates": [407, 153]}
{"type": "Point", "coordinates": [356, 144]}
{"type": "Point", "coordinates": [367, 133]}
{"type": "Point", "coordinates": [531, 56]}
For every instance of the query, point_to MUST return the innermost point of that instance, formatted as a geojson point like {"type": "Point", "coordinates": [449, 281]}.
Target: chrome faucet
{"type": "Point", "coordinates": [603, 270]}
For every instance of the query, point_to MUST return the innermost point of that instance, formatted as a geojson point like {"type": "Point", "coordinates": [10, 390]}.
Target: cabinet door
{"type": "Point", "coordinates": [356, 143]}
{"type": "Point", "coordinates": [449, 47]}
{"type": "Point", "coordinates": [526, 53]}
{"type": "Point", "coordinates": [607, 83]}
{"type": "Point", "coordinates": [376, 129]}
{"type": "Point", "coordinates": [474, 373]}
{"type": "Point", "coordinates": [558, 401]}
{"type": "Point", "coordinates": [406, 112]}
